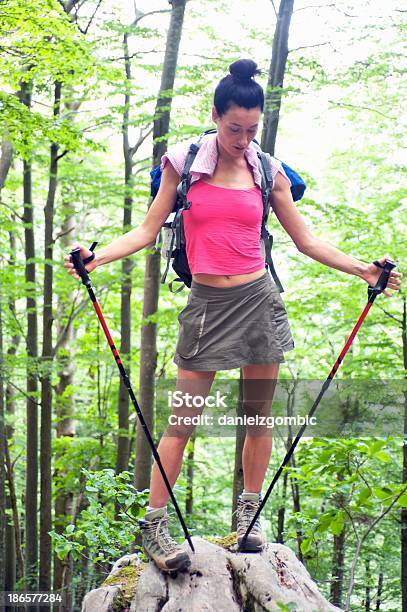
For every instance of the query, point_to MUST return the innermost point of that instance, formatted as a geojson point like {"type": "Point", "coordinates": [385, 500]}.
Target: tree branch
{"type": "Point", "coordinates": [373, 110]}
{"type": "Point", "coordinates": [24, 393]}
{"type": "Point", "coordinates": [93, 15]}
{"type": "Point", "coordinates": [74, 313]}
{"type": "Point", "coordinates": [333, 4]}
{"type": "Point", "coordinates": [274, 7]}
{"type": "Point", "coordinates": [94, 127]}
{"type": "Point", "coordinates": [390, 315]}
{"type": "Point", "coordinates": [360, 543]}
{"type": "Point", "coordinates": [140, 15]}
{"type": "Point", "coordinates": [13, 211]}
{"type": "Point", "coordinates": [309, 46]}
{"type": "Point", "coordinates": [303, 8]}
{"type": "Point", "coordinates": [60, 234]}
{"type": "Point", "coordinates": [140, 141]}
{"type": "Point", "coordinates": [69, 5]}
{"type": "Point", "coordinates": [62, 155]}
{"type": "Point", "coordinates": [141, 161]}
{"type": "Point", "coordinates": [132, 56]}
{"type": "Point", "coordinates": [20, 327]}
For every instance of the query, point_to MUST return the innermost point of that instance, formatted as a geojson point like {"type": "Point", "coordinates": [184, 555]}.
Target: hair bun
{"type": "Point", "coordinates": [244, 69]}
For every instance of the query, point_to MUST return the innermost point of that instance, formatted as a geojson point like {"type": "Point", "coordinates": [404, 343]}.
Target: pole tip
{"type": "Point", "coordinates": [191, 545]}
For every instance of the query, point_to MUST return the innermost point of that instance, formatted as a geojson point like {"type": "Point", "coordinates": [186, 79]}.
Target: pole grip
{"type": "Point", "coordinates": [80, 268]}
{"type": "Point", "coordinates": [383, 278]}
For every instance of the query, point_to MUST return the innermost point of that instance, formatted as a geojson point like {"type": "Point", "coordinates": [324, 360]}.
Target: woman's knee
{"type": "Point", "coordinates": [179, 431]}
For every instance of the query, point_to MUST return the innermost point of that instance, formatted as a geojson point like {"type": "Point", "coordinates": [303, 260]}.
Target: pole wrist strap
{"type": "Point", "coordinates": [91, 257]}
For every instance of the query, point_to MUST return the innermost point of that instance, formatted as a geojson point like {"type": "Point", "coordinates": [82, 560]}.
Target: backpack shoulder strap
{"type": "Point", "coordinates": [178, 237]}
{"type": "Point", "coordinates": [184, 184]}
{"type": "Point", "coordinates": [264, 166]}
{"type": "Point", "coordinates": [266, 187]}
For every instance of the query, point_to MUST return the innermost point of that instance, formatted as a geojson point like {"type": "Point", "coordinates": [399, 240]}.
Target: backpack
{"type": "Point", "coordinates": [173, 240]}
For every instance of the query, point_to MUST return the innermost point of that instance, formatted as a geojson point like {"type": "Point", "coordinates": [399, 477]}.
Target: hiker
{"type": "Point", "coordinates": [235, 316]}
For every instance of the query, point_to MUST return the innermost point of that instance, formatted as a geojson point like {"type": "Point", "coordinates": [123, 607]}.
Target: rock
{"type": "Point", "coordinates": [118, 589]}
{"type": "Point", "coordinates": [219, 579]}
{"type": "Point", "coordinates": [208, 585]}
{"type": "Point", "coordinates": [102, 599]}
{"type": "Point", "coordinates": [276, 575]}
{"type": "Point", "coordinates": [125, 562]}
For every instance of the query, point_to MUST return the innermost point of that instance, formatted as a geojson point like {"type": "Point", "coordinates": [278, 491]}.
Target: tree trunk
{"type": "Point", "coordinates": [189, 498]}
{"type": "Point", "coordinates": [64, 409]}
{"type": "Point", "coordinates": [295, 491]}
{"type": "Point", "coordinates": [2, 454]}
{"type": "Point", "coordinates": [47, 359]}
{"type": "Point", "coordinates": [148, 352]}
{"type": "Point", "coordinates": [12, 537]}
{"type": "Point", "coordinates": [6, 158]}
{"type": "Point", "coordinates": [84, 582]}
{"type": "Point", "coordinates": [31, 487]}
{"type": "Point", "coordinates": [64, 406]}
{"type": "Point", "coordinates": [281, 511]}
{"type": "Point", "coordinates": [379, 591]}
{"type": "Point", "coordinates": [125, 313]}
{"type": "Point", "coordinates": [403, 526]}
{"type": "Point", "coordinates": [276, 76]}
{"type": "Point", "coordinates": [14, 511]}
{"type": "Point", "coordinates": [238, 468]}
{"type": "Point", "coordinates": [7, 551]}
{"type": "Point", "coordinates": [337, 569]}
{"type": "Point", "coordinates": [338, 558]}
{"type": "Point", "coordinates": [367, 588]}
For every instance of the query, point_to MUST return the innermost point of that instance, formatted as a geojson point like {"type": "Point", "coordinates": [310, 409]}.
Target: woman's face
{"type": "Point", "coordinates": [236, 128]}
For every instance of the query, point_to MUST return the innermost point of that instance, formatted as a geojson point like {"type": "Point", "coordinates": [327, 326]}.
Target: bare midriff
{"type": "Point", "coordinates": [220, 280]}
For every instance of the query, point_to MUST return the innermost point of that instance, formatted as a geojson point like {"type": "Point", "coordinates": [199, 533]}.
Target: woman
{"type": "Point", "coordinates": [235, 317]}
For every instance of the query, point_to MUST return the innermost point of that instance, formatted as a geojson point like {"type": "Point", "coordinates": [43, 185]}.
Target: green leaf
{"type": "Point", "coordinates": [306, 545]}
{"type": "Point", "coordinates": [402, 500]}
{"type": "Point", "coordinates": [382, 492]}
{"type": "Point", "coordinates": [364, 495]}
{"type": "Point", "coordinates": [383, 456]}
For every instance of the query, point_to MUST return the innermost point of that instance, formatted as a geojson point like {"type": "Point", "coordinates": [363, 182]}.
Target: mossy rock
{"type": "Point", "coordinates": [227, 542]}
{"type": "Point", "coordinates": [127, 579]}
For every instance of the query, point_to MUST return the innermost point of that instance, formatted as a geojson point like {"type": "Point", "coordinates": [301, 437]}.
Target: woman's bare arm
{"type": "Point", "coordinates": [305, 241]}
{"type": "Point", "coordinates": [139, 237]}
{"type": "Point", "coordinates": [146, 233]}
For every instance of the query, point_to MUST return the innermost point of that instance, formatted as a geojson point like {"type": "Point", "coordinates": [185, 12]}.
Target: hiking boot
{"type": "Point", "coordinates": [159, 545]}
{"type": "Point", "coordinates": [247, 505]}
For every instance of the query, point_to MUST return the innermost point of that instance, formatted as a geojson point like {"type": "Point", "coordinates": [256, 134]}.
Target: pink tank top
{"type": "Point", "coordinates": [222, 229]}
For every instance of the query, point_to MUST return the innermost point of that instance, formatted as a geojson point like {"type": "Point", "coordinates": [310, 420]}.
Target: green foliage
{"type": "Point", "coordinates": [40, 43]}
{"type": "Point", "coordinates": [96, 531]}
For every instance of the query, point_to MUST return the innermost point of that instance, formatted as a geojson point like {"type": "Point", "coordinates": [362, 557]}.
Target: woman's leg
{"type": "Point", "coordinates": [259, 382]}
{"type": "Point", "coordinates": [173, 442]}
{"type": "Point", "coordinates": [258, 390]}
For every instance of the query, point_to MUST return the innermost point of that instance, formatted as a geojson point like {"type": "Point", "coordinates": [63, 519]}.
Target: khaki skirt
{"type": "Point", "coordinates": [222, 328]}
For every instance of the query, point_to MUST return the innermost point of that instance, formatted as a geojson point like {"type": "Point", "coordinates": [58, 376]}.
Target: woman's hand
{"type": "Point", "coordinates": [372, 274]}
{"type": "Point", "coordinates": [84, 252]}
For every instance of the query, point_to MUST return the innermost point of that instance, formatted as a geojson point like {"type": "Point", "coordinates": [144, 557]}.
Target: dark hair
{"type": "Point", "coordinates": [239, 87]}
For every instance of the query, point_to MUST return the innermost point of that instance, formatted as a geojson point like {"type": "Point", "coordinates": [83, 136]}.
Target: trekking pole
{"type": "Point", "coordinates": [83, 273]}
{"type": "Point", "coordinates": [372, 292]}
